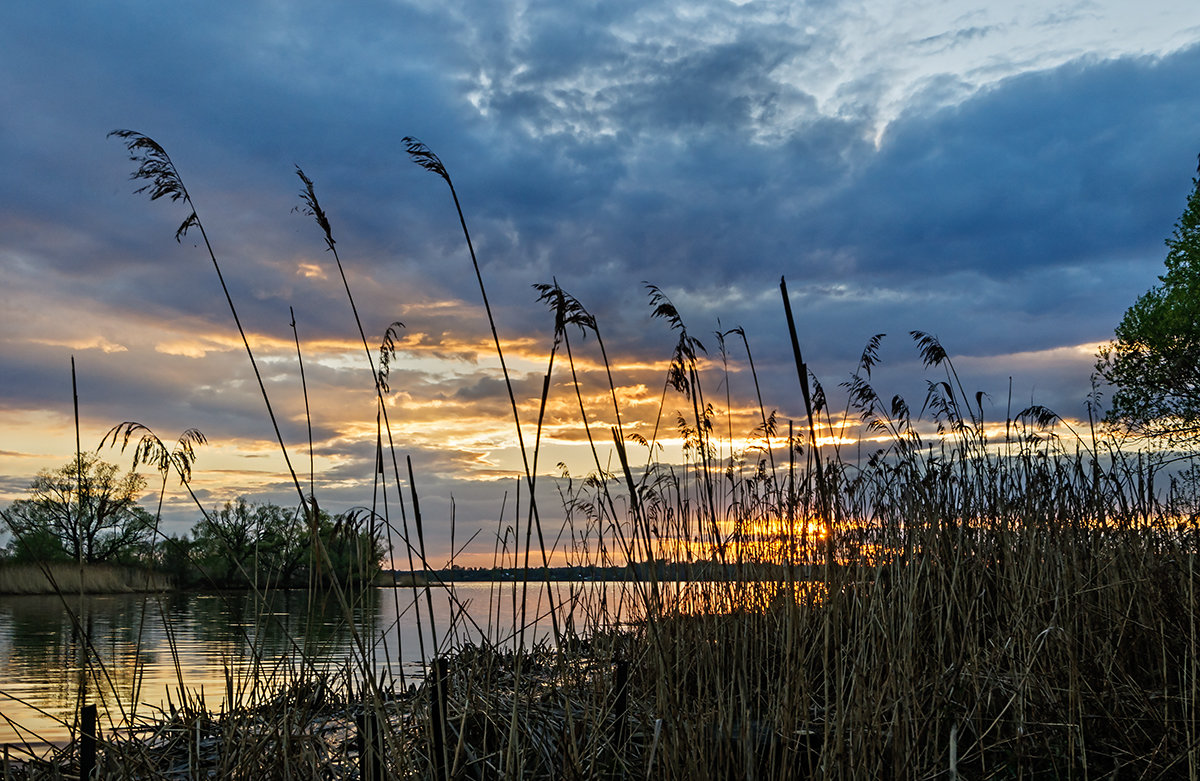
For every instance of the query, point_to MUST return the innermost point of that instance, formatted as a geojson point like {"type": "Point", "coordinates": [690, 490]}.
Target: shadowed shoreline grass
{"type": "Point", "coordinates": [70, 578]}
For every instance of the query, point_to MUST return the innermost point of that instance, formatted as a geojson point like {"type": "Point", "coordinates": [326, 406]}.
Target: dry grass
{"type": "Point", "coordinates": [1037, 651]}
{"type": "Point", "coordinates": [70, 578]}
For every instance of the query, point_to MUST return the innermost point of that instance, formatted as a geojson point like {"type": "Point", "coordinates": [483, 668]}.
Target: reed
{"type": "Point", "coordinates": [71, 578]}
{"type": "Point", "coordinates": [957, 603]}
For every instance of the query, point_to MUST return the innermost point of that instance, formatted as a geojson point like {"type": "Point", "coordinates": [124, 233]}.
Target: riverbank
{"type": "Point", "coordinates": [71, 578]}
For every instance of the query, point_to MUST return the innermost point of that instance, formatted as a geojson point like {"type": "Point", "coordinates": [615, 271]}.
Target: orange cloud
{"type": "Point", "coordinates": [100, 343]}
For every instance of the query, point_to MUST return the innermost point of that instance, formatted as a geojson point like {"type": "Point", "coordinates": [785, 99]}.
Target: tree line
{"type": "Point", "coordinates": [87, 512]}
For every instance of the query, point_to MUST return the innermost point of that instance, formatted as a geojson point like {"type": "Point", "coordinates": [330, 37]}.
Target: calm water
{"type": "Point", "coordinates": [128, 667]}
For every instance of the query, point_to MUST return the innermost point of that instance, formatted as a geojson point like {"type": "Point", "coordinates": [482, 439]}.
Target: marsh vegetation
{"type": "Point", "coordinates": [949, 597]}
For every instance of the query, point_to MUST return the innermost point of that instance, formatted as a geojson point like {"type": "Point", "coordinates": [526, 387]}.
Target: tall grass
{"type": "Point", "coordinates": [50, 578]}
{"type": "Point", "coordinates": [957, 603]}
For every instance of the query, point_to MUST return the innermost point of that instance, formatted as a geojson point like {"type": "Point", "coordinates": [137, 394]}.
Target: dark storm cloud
{"type": "Point", "coordinates": [1083, 163]}
{"type": "Point", "coordinates": [1080, 167]}
{"type": "Point", "coordinates": [234, 93]}
{"type": "Point", "coordinates": [486, 388]}
{"type": "Point", "coordinates": [1041, 204]}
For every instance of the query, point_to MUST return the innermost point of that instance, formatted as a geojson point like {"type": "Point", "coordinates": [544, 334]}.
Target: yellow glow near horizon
{"type": "Point", "coordinates": [447, 407]}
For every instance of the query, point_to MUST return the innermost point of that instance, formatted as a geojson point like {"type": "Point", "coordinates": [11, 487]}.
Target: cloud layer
{"type": "Point", "coordinates": [1003, 179]}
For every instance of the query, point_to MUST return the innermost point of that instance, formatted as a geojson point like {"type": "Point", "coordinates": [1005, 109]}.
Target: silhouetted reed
{"type": "Point", "coordinates": [962, 601]}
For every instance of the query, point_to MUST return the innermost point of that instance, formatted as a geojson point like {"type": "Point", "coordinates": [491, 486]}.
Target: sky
{"type": "Point", "coordinates": [1001, 175]}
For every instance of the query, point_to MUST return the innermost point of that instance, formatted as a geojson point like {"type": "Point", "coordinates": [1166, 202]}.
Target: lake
{"type": "Point", "coordinates": [116, 650]}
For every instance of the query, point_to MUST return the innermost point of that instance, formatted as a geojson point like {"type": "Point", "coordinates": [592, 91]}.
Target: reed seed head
{"type": "Point", "coordinates": [387, 353]}
{"type": "Point", "coordinates": [156, 168]}
{"type": "Point", "coordinates": [424, 157]}
{"type": "Point", "coordinates": [312, 207]}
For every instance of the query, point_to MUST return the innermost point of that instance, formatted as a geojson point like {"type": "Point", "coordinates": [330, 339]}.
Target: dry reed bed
{"type": "Point", "coordinates": [1016, 646]}
{"type": "Point", "coordinates": [72, 579]}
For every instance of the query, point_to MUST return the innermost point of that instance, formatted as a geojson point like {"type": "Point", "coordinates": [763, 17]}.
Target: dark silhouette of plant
{"type": "Point", "coordinates": [425, 157]}
{"type": "Point", "coordinates": [163, 181]}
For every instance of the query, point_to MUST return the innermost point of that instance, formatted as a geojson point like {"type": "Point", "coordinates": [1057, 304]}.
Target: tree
{"type": "Point", "coordinates": [1154, 361]}
{"type": "Point", "coordinates": [37, 546]}
{"type": "Point", "coordinates": [84, 510]}
{"type": "Point", "coordinates": [243, 543]}
{"type": "Point", "coordinates": [351, 548]}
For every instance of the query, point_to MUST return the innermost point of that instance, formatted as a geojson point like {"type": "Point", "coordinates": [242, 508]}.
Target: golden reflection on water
{"type": "Point", "coordinates": [132, 654]}
{"type": "Point", "coordinates": [136, 655]}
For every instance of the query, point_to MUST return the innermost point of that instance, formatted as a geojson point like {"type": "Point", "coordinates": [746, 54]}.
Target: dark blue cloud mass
{"type": "Point", "coordinates": [1080, 164]}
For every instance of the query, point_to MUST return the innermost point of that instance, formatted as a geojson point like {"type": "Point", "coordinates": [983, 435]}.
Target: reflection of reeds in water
{"type": "Point", "coordinates": [960, 603]}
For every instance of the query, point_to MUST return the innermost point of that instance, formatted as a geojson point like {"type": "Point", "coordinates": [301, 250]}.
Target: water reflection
{"type": "Point", "coordinates": [126, 651]}
{"type": "Point", "coordinates": [133, 654]}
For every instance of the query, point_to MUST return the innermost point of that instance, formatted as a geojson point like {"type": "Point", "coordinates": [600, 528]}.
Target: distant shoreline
{"type": "Point", "coordinates": [71, 578]}
{"type": "Point", "coordinates": [661, 571]}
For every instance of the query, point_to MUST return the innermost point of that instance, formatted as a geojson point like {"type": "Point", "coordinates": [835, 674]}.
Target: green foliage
{"type": "Point", "coordinates": [175, 558]}
{"type": "Point", "coordinates": [87, 508]}
{"type": "Point", "coordinates": [348, 548]}
{"type": "Point", "coordinates": [1154, 362]}
{"type": "Point", "coordinates": [39, 546]}
{"type": "Point", "coordinates": [244, 544]}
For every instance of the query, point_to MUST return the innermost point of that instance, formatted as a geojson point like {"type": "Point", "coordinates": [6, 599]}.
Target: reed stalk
{"type": "Point", "coordinates": [944, 606]}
